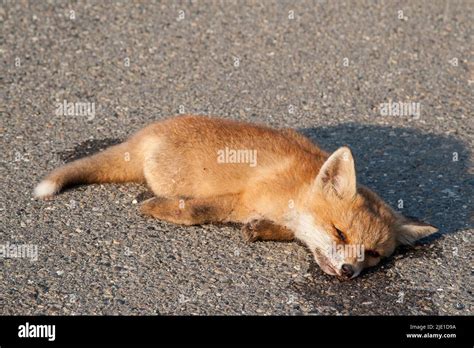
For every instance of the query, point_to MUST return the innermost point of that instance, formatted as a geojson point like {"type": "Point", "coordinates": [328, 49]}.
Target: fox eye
{"type": "Point", "coordinates": [372, 253]}
{"type": "Point", "coordinates": [340, 234]}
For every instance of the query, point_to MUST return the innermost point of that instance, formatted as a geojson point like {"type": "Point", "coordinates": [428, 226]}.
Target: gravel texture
{"type": "Point", "coordinates": [325, 72]}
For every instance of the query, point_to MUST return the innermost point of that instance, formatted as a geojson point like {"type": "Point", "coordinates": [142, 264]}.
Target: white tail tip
{"type": "Point", "coordinates": [45, 188]}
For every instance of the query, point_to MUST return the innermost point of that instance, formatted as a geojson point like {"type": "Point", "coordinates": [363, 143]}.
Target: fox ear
{"type": "Point", "coordinates": [411, 229]}
{"type": "Point", "coordinates": [337, 176]}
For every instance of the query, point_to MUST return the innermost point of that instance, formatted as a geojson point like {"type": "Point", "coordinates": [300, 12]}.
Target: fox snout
{"type": "Point", "coordinates": [350, 271]}
{"type": "Point", "coordinates": [347, 271]}
{"type": "Point", "coordinates": [335, 268]}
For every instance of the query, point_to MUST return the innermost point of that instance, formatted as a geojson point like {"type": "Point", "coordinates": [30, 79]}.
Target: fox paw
{"type": "Point", "coordinates": [250, 232]}
{"type": "Point", "coordinates": [147, 207]}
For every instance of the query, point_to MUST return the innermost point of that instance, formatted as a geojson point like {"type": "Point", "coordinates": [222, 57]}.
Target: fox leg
{"type": "Point", "coordinates": [193, 211]}
{"type": "Point", "coordinates": [266, 230]}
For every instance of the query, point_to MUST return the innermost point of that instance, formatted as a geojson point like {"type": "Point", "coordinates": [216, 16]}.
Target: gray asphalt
{"type": "Point", "coordinates": [142, 62]}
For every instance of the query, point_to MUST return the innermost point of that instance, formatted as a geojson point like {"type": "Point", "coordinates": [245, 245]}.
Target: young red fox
{"type": "Point", "coordinates": [276, 182]}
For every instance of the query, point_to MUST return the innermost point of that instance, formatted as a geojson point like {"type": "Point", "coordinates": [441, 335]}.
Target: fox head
{"type": "Point", "coordinates": [348, 227]}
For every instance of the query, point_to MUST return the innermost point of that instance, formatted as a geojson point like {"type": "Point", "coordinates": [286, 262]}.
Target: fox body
{"type": "Point", "coordinates": [277, 183]}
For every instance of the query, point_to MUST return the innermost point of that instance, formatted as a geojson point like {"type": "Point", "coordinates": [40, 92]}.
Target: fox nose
{"type": "Point", "coordinates": [347, 270]}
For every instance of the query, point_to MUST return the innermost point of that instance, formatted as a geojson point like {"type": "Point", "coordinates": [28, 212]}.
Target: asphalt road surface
{"type": "Point", "coordinates": [323, 67]}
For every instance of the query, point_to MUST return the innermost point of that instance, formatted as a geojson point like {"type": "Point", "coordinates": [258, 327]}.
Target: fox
{"type": "Point", "coordinates": [275, 183]}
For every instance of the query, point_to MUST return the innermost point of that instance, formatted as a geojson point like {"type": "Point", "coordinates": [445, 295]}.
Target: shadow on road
{"type": "Point", "coordinates": [87, 148]}
{"type": "Point", "coordinates": [426, 175]}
